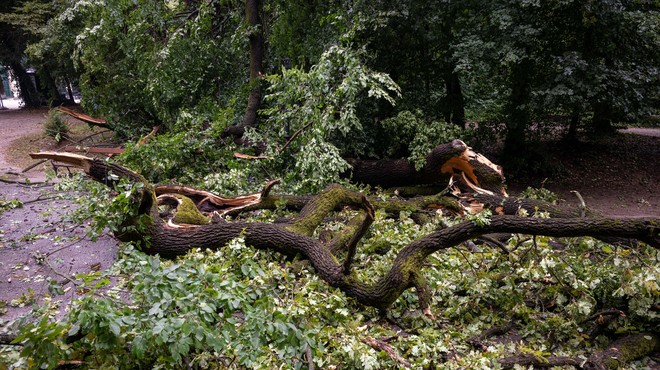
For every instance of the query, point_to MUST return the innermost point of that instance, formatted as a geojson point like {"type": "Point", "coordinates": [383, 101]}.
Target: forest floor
{"type": "Point", "coordinates": [618, 175]}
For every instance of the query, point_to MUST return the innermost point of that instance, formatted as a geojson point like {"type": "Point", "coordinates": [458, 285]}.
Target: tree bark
{"type": "Point", "coordinates": [256, 42]}
{"type": "Point", "coordinates": [517, 109]}
{"type": "Point", "coordinates": [29, 92]}
{"type": "Point", "coordinates": [294, 238]}
{"type": "Point", "coordinates": [455, 111]}
{"type": "Point", "coordinates": [624, 350]}
{"type": "Point", "coordinates": [444, 161]}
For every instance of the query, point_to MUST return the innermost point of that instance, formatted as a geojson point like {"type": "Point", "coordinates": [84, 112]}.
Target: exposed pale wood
{"type": "Point", "coordinates": [93, 149]}
{"type": "Point", "coordinates": [83, 117]}
{"type": "Point", "coordinates": [148, 137]}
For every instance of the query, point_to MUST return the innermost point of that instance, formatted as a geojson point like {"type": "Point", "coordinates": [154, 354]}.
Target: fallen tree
{"type": "Point", "coordinates": [189, 228]}
{"type": "Point", "coordinates": [195, 220]}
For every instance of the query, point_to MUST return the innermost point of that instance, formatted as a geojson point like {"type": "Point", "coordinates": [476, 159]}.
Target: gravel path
{"type": "Point", "coordinates": [655, 132]}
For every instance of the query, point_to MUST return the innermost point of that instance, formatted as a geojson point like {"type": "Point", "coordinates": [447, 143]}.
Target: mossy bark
{"type": "Point", "coordinates": [624, 350]}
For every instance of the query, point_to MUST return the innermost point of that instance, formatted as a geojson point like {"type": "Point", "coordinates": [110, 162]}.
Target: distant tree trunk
{"type": "Point", "coordinates": [602, 118]}
{"type": "Point", "coordinates": [572, 126]}
{"type": "Point", "coordinates": [256, 40]}
{"type": "Point", "coordinates": [28, 92]}
{"type": "Point", "coordinates": [518, 110]}
{"type": "Point", "coordinates": [69, 90]}
{"type": "Point", "coordinates": [455, 109]}
{"type": "Point", "coordinates": [601, 123]}
{"type": "Point", "coordinates": [50, 88]}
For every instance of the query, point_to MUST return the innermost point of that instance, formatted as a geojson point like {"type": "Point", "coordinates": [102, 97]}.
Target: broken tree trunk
{"type": "Point", "coordinates": [446, 161]}
{"type": "Point", "coordinates": [170, 239]}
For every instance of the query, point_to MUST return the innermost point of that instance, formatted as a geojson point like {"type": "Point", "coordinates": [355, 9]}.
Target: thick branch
{"type": "Point", "coordinates": [624, 350]}
{"type": "Point", "coordinates": [294, 238]}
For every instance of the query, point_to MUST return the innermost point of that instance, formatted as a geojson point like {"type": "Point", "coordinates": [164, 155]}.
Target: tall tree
{"type": "Point", "coordinates": [256, 41]}
{"type": "Point", "coordinates": [21, 22]}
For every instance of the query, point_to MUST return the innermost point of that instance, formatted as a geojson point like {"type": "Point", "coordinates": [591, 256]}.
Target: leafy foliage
{"type": "Point", "coordinates": [237, 307]}
{"type": "Point", "coordinates": [7, 204]}
{"type": "Point", "coordinates": [56, 126]}
{"type": "Point", "coordinates": [421, 136]}
{"type": "Point", "coordinates": [320, 106]}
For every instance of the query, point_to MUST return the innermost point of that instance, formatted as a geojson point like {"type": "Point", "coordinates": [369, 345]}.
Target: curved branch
{"type": "Point", "coordinates": [295, 238]}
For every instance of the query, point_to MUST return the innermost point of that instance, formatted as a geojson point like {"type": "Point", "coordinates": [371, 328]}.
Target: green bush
{"type": "Point", "coordinates": [56, 126]}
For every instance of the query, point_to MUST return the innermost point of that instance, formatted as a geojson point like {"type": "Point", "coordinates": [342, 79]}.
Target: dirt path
{"type": "Point", "coordinates": [40, 247]}
{"type": "Point", "coordinates": [16, 124]}
{"type": "Point", "coordinates": [618, 175]}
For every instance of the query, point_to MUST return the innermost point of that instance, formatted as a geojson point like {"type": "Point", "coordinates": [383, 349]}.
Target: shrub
{"type": "Point", "coordinates": [56, 126]}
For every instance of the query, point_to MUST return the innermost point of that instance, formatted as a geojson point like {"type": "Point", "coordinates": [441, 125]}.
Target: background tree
{"type": "Point", "coordinates": [20, 23]}
{"type": "Point", "coordinates": [522, 66]}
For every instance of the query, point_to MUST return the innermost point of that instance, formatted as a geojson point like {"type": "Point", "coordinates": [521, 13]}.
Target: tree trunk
{"type": "Point", "coordinates": [572, 126]}
{"type": "Point", "coordinates": [601, 123]}
{"type": "Point", "coordinates": [442, 163]}
{"type": "Point", "coordinates": [256, 40]}
{"type": "Point", "coordinates": [28, 91]}
{"type": "Point", "coordinates": [517, 110]}
{"type": "Point", "coordinates": [455, 111]}
{"type": "Point", "coordinates": [624, 350]}
{"type": "Point", "coordinates": [294, 238]}
{"type": "Point", "coordinates": [69, 90]}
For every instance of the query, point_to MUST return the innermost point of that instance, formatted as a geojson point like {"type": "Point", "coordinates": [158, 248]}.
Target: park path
{"type": "Point", "coordinates": [15, 124]}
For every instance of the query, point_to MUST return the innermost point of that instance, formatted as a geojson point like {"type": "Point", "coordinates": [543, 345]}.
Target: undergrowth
{"type": "Point", "coordinates": [238, 307]}
{"type": "Point", "coordinates": [56, 126]}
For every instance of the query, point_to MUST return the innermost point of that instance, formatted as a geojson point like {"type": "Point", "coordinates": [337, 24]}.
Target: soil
{"type": "Point", "coordinates": [40, 248]}
{"type": "Point", "coordinates": [618, 175]}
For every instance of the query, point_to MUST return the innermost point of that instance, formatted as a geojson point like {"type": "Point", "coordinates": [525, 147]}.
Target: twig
{"type": "Point", "coordinates": [477, 340]}
{"type": "Point", "coordinates": [40, 257]}
{"type": "Point", "coordinates": [380, 345]}
{"type": "Point", "coordinates": [65, 246]}
{"type": "Point", "coordinates": [294, 136]}
{"type": "Point", "coordinates": [21, 182]}
{"type": "Point", "coordinates": [308, 354]}
{"type": "Point", "coordinates": [26, 169]}
{"type": "Point", "coordinates": [39, 199]}
{"type": "Point", "coordinates": [496, 242]}
{"type": "Point", "coordinates": [583, 205]}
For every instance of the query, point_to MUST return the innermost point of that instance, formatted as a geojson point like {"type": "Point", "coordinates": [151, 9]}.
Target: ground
{"type": "Point", "coordinates": [618, 175]}
{"type": "Point", "coordinates": [37, 242]}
